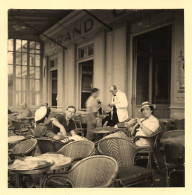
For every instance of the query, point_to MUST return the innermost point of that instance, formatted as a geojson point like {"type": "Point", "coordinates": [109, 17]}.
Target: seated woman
{"type": "Point", "coordinates": [145, 126]}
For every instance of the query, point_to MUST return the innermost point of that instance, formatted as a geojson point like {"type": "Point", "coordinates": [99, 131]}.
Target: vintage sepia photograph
{"type": "Point", "coordinates": [96, 98]}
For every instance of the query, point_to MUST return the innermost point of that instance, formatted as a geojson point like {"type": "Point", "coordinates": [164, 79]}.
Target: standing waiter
{"type": "Point", "coordinates": [119, 106]}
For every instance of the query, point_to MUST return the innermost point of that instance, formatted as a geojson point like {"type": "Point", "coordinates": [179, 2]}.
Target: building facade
{"type": "Point", "coordinates": [140, 51]}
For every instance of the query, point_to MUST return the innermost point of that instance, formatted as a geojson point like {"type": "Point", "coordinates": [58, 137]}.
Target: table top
{"type": "Point", "coordinates": [40, 164]}
{"type": "Point", "coordinates": [103, 130]}
{"type": "Point", "coordinates": [178, 140]}
{"type": "Point", "coordinates": [14, 139]}
{"type": "Point", "coordinates": [28, 165]}
{"type": "Point", "coordinates": [166, 120]}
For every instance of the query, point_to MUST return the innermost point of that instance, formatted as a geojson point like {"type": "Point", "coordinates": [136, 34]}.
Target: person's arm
{"type": "Point", "coordinates": [73, 133]}
{"type": "Point", "coordinates": [121, 101]}
{"type": "Point", "coordinates": [153, 126]}
{"type": "Point", "coordinates": [59, 125]}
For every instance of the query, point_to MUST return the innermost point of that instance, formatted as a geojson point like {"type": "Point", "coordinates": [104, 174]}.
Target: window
{"type": "Point", "coordinates": [24, 70]}
{"type": "Point", "coordinates": [86, 69]}
{"type": "Point", "coordinates": [86, 51]}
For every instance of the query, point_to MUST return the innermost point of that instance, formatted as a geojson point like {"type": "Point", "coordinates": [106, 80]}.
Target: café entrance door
{"type": "Point", "coordinates": [152, 71]}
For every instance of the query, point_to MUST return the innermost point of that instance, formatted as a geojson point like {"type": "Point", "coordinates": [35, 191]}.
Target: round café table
{"type": "Point", "coordinates": [53, 162]}
{"type": "Point", "coordinates": [103, 131]}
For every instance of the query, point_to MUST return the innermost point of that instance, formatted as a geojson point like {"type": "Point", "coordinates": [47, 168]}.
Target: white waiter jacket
{"type": "Point", "coordinates": [121, 103]}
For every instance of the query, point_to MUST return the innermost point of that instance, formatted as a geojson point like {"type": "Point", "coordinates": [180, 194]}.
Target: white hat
{"type": "Point", "coordinates": [40, 113]}
{"type": "Point", "coordinates": [147, 104]}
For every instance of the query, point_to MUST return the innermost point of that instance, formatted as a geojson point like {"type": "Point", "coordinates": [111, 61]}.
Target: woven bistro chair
{"type": "Point", "coordinates": [93, 171]}
{"type": "Point", "coordinates": [46, 144]}
{"type": "Point", "coordinates": [78, 150]}
{"type": "Point", "coordinates": [124, 152]}
{"type": "Point", "coordinates": [78, 128]}
{"type": "Point", "coordinates": [153, 147]}
{"type": "Point", "coordinates": [25, 148]}
{"type": "Point", "coordinates": [174, 154]}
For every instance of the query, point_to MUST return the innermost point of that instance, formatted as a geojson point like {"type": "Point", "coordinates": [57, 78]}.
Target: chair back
{"type": "Point", "coordinates": [120, 149]}
{"type": "Point", "coordinates": [78, 128]}
{"type": "Point", "coordinates": [78, 149]}
{"type": "Point", "coordinates": [174, 153]}
{"type": "Point", "coordinates": [154, 137]}
{"type": "Point", "coordinates": [26, 148]}
{"type": "Point", "coordinates": [180, 124]}
{"type": "Point", "coordinates": [93, 171]}
{"type": "Point", "coordinates": [48, 145]}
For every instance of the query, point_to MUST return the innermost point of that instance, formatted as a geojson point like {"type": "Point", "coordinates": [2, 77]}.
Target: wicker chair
{"type": "Point", "coordinates": [49, 145]}
{"type": "Point", "coordinates": [93, 171]}
{"type": "Point", "coordinates": [180, 124]}
{"type": "Point", "coordinates": [79, 130]}
{"type": "Point", "coordinates": [78, 150]}
{"type": "Point", "coordinates": [124, 152]}
{"type": "Point", "coordinates": [174, 155]}
{"type": "Point", "coordinates": [153, 147]}
{"type": "Point", "coordinates": [22, 126]}
{"type": "Point", "coordinates": [25, 148]}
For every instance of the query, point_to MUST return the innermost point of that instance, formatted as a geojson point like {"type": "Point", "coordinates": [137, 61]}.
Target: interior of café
{"type": "Point", "coordinates": [96, 98]}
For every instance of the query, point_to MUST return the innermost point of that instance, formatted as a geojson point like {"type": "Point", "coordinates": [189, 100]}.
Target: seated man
{"type": "Point", "coordinates": [64, 124]}
{"type": "Point", "coordinates": [41, 120]}
{"type": "Point", "coordinates": [26, 112]}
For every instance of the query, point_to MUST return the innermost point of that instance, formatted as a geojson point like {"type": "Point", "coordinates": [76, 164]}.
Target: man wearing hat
{"type": "Point", "coordinates": [41, 121]}
{"type": "Point", "coordinates": [146, 126]}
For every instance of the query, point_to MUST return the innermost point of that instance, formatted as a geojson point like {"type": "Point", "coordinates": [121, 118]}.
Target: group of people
{"type": "Point", "coordinates": [63, 126]}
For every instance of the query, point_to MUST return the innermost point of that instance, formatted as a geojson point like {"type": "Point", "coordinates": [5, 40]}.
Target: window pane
{"type": "Point", "coordinates": [84, 97]}
{"type": "Point", "coordinates": [90, 50]}
{"type": "Point", "coordinates": [32, 51]}
{"type": "Point", "coordinates": [32, 85]}
{"type": "Point", "coordinates": [24, 71]}
{"type": "Point", "coordinates": [18, 98]}
{"type": "Point", "coordinates": [161, 81]}
{"type": "Point", "coordinates": [23, 97]}
{"type": "Point", "coordinates": [37, 99]}
{"type": "Point", "coordinates": [18, 71]}
{"type": "Point", "coordinates": [24, 46]}
{"type": "Point", "coordinates": [32, 98]}
{"type": "Point", "coordinates": [32, 72]}
{"type": "Point", "coordinates": [24, 84]}
{"type": "Point", "coordinates": [37, 73]}
{"type": "Point", "coordinates": [32, 60]}
{"type": "Point", "coordinates": [24, 58]}
{"type": "Point", "coordinates": [37, 45]}
{"type": "Point", "coordinates": [10, 85]}
{"type": "Point", "coordinates": [10, 45]}
{"type": "Point", "coordinates": [32, 44]}
{"type": "Point", "coordinates": [18, 84]}
{"type": "Point", "coordinates": [18, 45]}
{"type": "Point", "coordinates": [10, 57]}
{"type": "Point", "coordinates": [37, 60]}
{"type": "Point", "coordinates": [18, 58]}
{"type": "Point", "coordinates": [86, 82]}
{"type": "Point", "coordinates": [37, 85]}
{"type": "Point", "coordinates": [142, 93]}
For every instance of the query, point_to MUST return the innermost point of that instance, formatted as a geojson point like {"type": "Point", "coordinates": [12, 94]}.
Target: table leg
{"type": "Point", "coordinates": [17, 182]}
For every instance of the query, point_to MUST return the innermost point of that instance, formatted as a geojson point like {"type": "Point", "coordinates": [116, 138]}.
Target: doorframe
{"type": "Point", "coordinates": [49, 91]}
{"type": "Point", "coordinates": [131, 61]}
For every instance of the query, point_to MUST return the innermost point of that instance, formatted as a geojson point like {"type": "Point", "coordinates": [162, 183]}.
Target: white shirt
{"type": "Point", "coordinates": [121, 103]}
{"type": "Point", "coordinates": [152, 123]}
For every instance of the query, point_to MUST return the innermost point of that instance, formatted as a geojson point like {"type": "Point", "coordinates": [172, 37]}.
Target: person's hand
{"type": "Point", "coordinates": [112, 104]}
{"type": "Point", "coordinates": [138, 121]}
{"type": "Point", "coordinates": [62, 131]}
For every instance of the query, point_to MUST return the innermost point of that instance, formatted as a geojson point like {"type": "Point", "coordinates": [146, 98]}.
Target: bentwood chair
{"type": "Point", "coordinates": [153, 147]}
{"type": "Point", "coordinates": [49, 145]}
{"type": "Point", "coordinates": [78, 150]}
{"type": "Point", "coordinates": [93, 171]}
{"type": "Point", "coordinates": [124, 151]}
{"type": "Point", "coordinates": [174, 154]}
{"type": "Point", "coordinates": [25, 148]}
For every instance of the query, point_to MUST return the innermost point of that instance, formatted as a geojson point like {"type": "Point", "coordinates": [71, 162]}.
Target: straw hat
{"type": "Point", "coordinates": [40, 113]}
{"type": "Point", "coordinates": [147, 104]}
